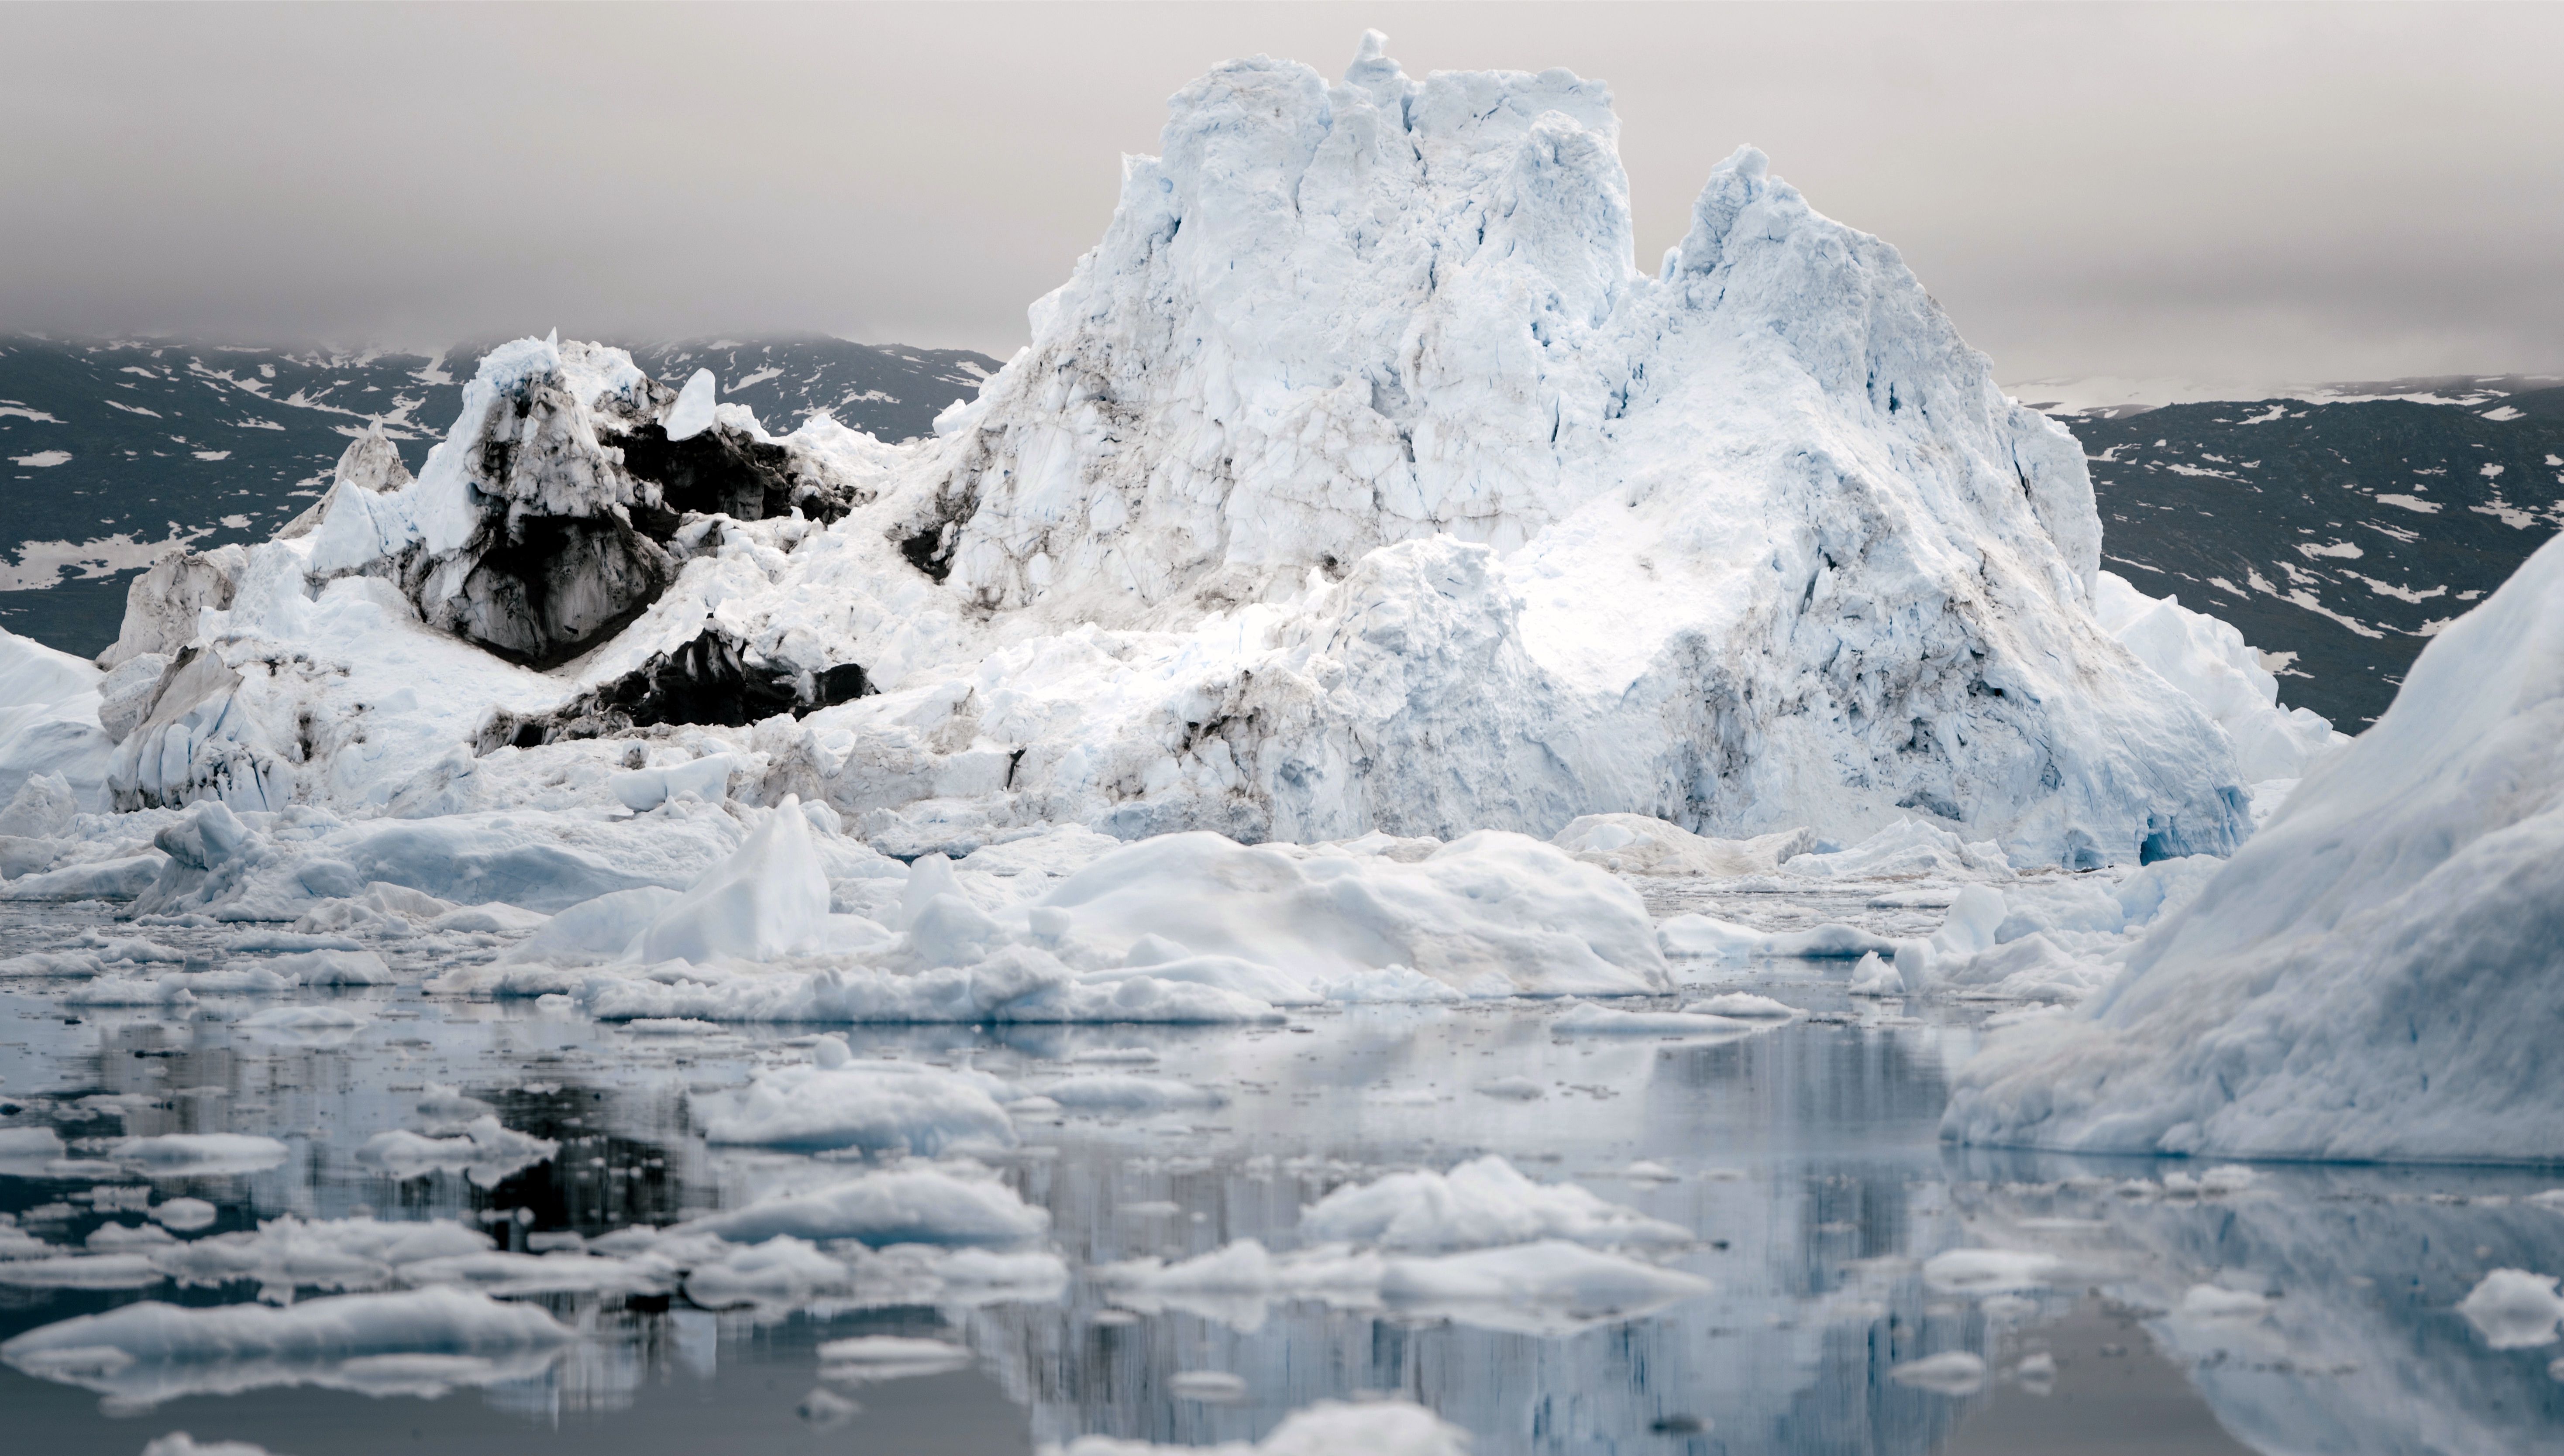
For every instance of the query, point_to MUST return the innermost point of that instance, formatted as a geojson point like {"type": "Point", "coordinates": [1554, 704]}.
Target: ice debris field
{"type": "Point", "coordinates": [1491, 662]}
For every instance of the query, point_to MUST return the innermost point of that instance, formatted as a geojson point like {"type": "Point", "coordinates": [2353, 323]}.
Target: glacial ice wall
{"type": "Point", "coordinates": [2374, 976]}
{"type": "Point", "coordinates": [1356, 480]}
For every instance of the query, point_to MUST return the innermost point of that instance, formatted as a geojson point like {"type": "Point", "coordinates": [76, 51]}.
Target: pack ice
{"type": "Point", "coordinates": [1358, 518]}
{"type": "Point", "coordinates": [2373, 976]}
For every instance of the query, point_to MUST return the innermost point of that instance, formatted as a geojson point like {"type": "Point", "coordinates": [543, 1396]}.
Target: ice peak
{"type": "Point", "coordinates": [1736, 183]}
{"type": "Point", "coordinates": [1375, 74]}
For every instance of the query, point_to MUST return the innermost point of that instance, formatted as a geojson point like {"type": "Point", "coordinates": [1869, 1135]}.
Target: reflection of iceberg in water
{"type": "Point", "coordinates": [1802, 1169]}
{"type": "Point", "coordinates": [2315, 1309]}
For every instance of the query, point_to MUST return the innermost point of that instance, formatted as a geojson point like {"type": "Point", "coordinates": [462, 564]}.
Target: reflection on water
{"type": "Point", "coordinates": [1804, 1162]}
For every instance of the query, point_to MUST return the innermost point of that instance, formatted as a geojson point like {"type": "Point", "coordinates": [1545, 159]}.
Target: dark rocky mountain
{"type": "Point", "coordinates": [2345, 533]}
{"type": "Point", "coordinates": [113, 449]}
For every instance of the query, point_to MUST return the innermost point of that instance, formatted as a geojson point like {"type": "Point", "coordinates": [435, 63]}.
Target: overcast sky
{"type": "Point", "coordinates": [2294, 193]}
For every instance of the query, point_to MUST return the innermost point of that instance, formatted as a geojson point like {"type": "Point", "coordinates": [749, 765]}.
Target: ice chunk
{"type": "Point", "coordinates": [1747, 1006]}
{"type": "Point", "coordinates": [1480, 1202]}
{"type": "Point", "coordinates": [1952, 1373]}
{"type": "Point", "coordinates": [768, 900]}
{"type": "Point", "coordinates": [483, 1150]}
{"type": "Point", "coordinates": [1111, 1092]}
{"type": "Point", "coordinates": [182, 1154]}
{"type": "Point", "coordinates": [781, 1272]}
{"type": "Point", "coordinates": [888, 1358]}
{"type": "Point", "coordinates": [1533, 1286]}
{"type": "Point", "coordinates": [644, 789]}
{"type": "Point", "coordinates": [692, 414]}
{"type": "Point", "coordinates": [1589, 1019]}
{"type": "Point", "coordinates": [179, 1443]}
{"type": "Point", "coordinates": [2513, 1309]}
{"type": "Point", "coordinates": [1988, 1271]}
{"type": "Point", "coordinates": [880, 1107]}
{"type": "Point", "coordinates": [898, 1206]}
{"type": "Point", "coordinates": [1327, 1429]}
{"type": "Point", "coordinates": [186, 1215]}
{"type": "Point", "coordinates": [2371, 976]}
{"type": "Point", "coordinates": [153, 1352]}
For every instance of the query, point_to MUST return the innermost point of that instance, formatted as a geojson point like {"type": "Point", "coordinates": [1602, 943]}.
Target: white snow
{"type": "Point", "coordinates": [2369, 976]}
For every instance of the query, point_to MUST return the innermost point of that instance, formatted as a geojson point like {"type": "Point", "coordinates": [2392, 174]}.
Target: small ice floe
{"type": "Point", "coordinates": [1547, 1286]}
{"type": "Point", "coordinates": [1745, 1006]}
{"type": "Point", "coordinates": [870, 1357]}
{"type": "Point", "coordinates": [179, 1443]}
{"type": "Point", "coordinates": [1131, 1094]}
{"type": "Point", "coordinates": [148, 1352]}
{"type": "Point", "coordinates": [1988, 1271]}
{"type": "Point", "coordinates": [1372, 1427]}
{"type": "Point", "coordinates": [1589, 1019]}
{"type": "Point", "coordinates": [1951, 1372]}
{"type": "Point", "coordinates": [184, 1215]}
{"type": "Point", "coordinates": [481, 1150]}
{"type": "Point", "coordinates": [187, 1154]}
{"type": "Point", "coordinates": [1206, 1386]}
{"type": "Point", "coordinates": [1477, 1203]}
{"type": "Point", "coordinates": [2513, 1309]}
{"type": "Point", "coordinates": [837, 1101]}
{"type": "Point", "coordinates": [902, 1206]}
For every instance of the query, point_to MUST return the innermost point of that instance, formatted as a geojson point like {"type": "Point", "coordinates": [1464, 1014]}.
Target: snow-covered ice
{"type": "Point", "coordinates": [2371, 975]}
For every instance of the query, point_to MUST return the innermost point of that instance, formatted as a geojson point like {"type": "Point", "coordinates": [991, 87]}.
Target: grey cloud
{"type": "Point", "coordinates": [2291, 192]}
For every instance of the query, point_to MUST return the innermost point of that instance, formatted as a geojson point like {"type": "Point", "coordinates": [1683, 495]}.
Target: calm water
{"type": "Point", "coordinates": [1804, 1160]}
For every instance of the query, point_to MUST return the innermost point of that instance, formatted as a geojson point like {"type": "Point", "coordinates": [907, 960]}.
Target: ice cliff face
{"type": "Point", "coordinates": [2373, 976]}
{"type": "Point", "coordinates": [1354, 481]}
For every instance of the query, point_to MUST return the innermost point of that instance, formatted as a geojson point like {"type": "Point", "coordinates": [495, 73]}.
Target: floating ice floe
{"type": "Point", "coordinates": [904, 1205]}
{"type": "Point", "coordinates": [481, 1148]}
{"type": "Point", "coordinates": [148, 1352]}
{"type": "Point", "coordinates": [1477, 1203]}
{"type": "Point", "coordinates": [1548, 1286]}
{"type": "Point", "coordinates": [1375, 1428]}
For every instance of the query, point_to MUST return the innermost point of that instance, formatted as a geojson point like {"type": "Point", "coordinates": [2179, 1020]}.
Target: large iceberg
{"type": "Point", "coordinates": [2374, 976]}
{"type": "Point", "coordinates": [1354, 481]}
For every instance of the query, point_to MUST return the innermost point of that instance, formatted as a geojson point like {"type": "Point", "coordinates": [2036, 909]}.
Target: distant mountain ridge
{"type": "Point", "coordinates": [2344, 533]}
{"type": "Point", "coordinates": [2243, 510]}
{"type": "Point", "coordinates": [112, 450]}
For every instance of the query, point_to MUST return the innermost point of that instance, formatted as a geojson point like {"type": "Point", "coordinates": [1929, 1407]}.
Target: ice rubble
{"type": "Point", "coordinates": [1471, 526]}
{"type": "Point", "coordinates": [2371, 976]}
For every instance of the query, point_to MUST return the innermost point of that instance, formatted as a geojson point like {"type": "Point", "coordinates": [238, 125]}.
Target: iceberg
{"type": "Point", "coordinates": [2371, 976]}
{"type": "Point", "coordinates": [1355, 483]}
